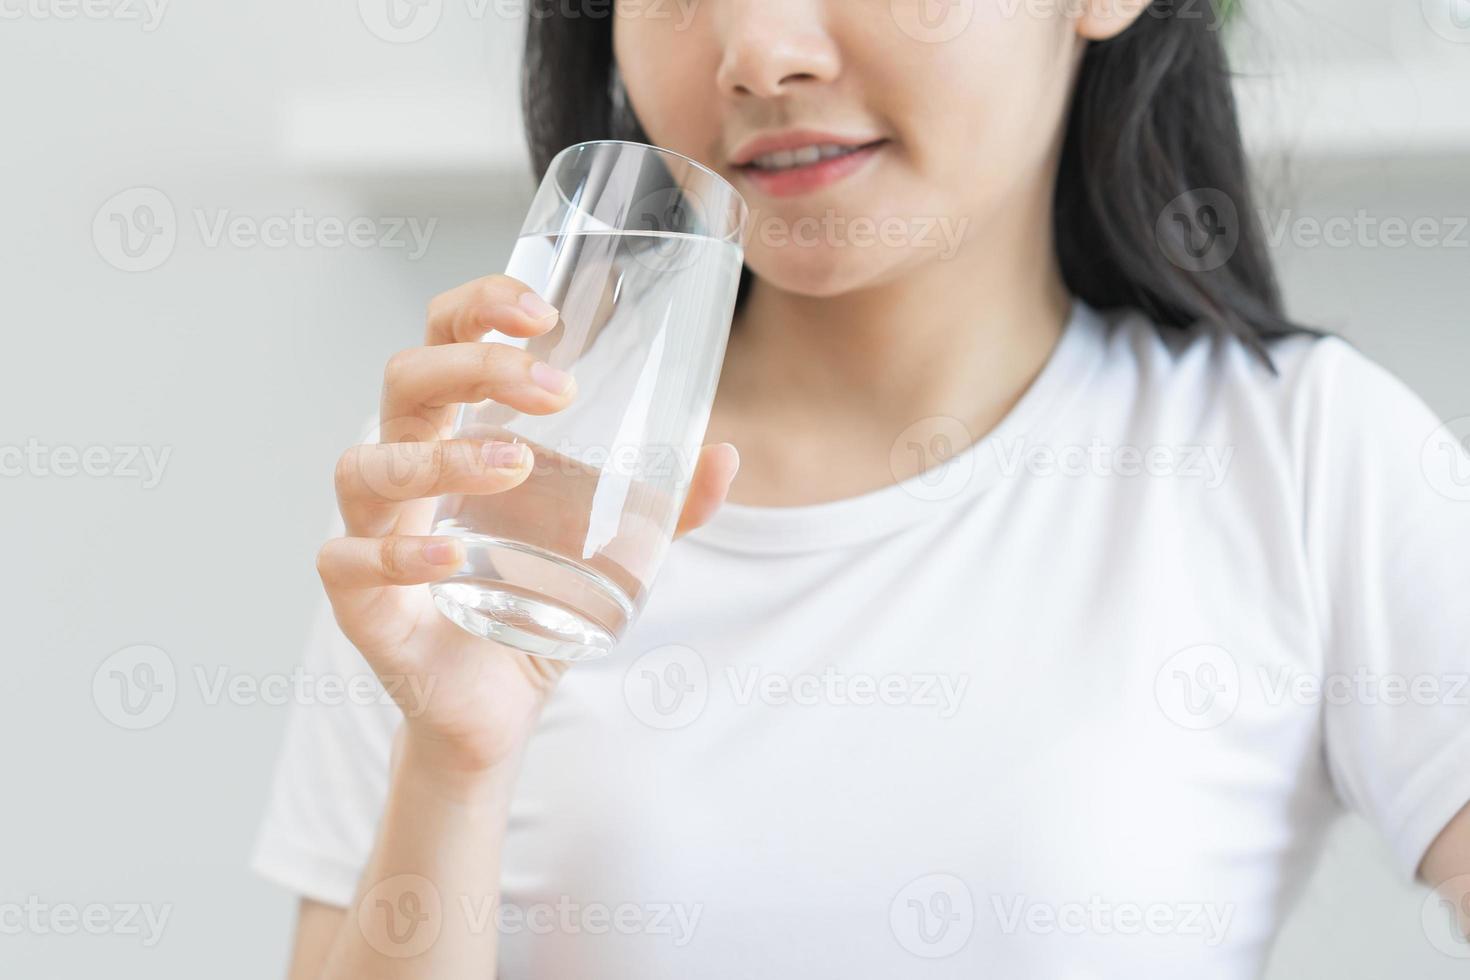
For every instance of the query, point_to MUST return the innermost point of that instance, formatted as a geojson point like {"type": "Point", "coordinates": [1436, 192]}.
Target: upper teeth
{"type": "Point", "coordinates": [785, 159]}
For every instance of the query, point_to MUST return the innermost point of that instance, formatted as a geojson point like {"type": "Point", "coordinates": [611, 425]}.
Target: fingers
{"type": "Point", "coordinates": [499, 303]}
{"type": "Point", "coordinates": [361, 572]}
{"type": "Point", "coordinates": [423, 383]}
{"type": "Point", "coordinates": [358, 575]}
{"type": "Point", "coordinates": [348, 564]}
{"type": "Point", "coordinates": [373, 481]}
{"type": "Point", "coordinates": [711, 483]}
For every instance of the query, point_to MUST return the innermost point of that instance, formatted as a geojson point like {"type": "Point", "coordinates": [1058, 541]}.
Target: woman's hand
{"type": "Point", "coordinates": [479, 698]}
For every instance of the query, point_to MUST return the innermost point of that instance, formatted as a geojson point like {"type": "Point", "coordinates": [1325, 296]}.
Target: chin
{"type": "Point", "coordinates": [819, 273]}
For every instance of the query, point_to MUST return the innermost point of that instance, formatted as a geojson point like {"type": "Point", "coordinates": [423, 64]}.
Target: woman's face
{"type": "Point", "coordinates": [967, 96]}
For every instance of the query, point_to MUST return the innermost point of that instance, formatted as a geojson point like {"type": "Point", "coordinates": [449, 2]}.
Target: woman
{"type": "Point", "coordinates": [1020, 648]}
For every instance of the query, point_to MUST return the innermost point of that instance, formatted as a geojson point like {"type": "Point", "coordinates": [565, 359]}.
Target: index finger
{"type": "Point", "coordinates": [500, 303]}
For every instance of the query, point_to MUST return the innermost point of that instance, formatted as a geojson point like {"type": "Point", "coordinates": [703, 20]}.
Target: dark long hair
{"type": "Point", "coordinates": [1153, 205]}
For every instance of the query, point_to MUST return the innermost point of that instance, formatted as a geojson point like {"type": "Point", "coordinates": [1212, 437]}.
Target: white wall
{"type": "Point", "coordinates": [252, 366]}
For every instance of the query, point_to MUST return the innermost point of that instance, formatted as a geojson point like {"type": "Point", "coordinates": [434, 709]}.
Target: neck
{"type": "Point", "coordinates": [961, 337]}
{"type": "Point", "coordinates": [944, 339]}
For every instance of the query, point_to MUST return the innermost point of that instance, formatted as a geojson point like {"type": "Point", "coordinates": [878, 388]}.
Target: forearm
{"type": "Point", "coordinates": [425, 904]}
{"type": "Point", "coordinates": [1446, 866]}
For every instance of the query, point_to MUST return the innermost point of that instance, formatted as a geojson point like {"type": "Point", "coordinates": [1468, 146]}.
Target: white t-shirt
{"type": "Point", "coordinates": [1079, 702]}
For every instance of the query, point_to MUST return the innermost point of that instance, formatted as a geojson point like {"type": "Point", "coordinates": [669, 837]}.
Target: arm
{"type": "Point", "coordinates": [425, 903]}
{"type": "Point", "coordinates": [1446, 866]}
{"type": "Point", "coordinates": [423, 907]}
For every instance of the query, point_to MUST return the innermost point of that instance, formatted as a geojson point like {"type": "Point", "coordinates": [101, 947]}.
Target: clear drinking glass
{"type": "Point", "coordinates": [640, 249]}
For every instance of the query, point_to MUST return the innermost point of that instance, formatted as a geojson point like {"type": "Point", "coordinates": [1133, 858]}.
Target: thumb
{"type": "Point", "coordinates": [711, 483]}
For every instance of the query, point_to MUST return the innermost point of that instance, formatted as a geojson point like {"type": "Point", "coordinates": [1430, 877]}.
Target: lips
{"type": "Point", "coordinates": [803, 157]}
{"type": "Point", "coordinates": [797, 139]}
{"type": "Point", "coordinates": [799, 161]}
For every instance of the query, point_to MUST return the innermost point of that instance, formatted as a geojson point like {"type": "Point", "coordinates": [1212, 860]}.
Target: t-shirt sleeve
{"type": "Point", "coordinates": [331, 777]}
{"type": "Point", "coordinates": [1387, 497]}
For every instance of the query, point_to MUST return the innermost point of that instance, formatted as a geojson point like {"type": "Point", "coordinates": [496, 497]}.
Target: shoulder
{"type": "Point", "coordinates": [1214, 362]}
{"type": "Point", "coordinates": [1324, 401]}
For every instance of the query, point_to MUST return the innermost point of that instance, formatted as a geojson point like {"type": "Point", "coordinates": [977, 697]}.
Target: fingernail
{"type": "Point", "coordinates": [553, 380]}
{"type": "Point", "coordinates": [441, 552]}
{"type": "Point", "coordinates": [503, 455]}
{"type": "Point", "coordinates": [537, 307]}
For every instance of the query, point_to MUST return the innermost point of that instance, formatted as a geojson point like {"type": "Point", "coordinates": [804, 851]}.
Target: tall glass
{"type": "Point", "coordinates": [640, 249]}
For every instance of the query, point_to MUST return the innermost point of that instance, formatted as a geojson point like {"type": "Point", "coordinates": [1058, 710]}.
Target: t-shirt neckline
{"type": "Point", "coordinates": [877, 513]}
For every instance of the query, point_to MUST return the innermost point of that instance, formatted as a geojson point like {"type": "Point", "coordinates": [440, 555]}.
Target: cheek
{"type": "Point", "coordinates": [682, 117]}
{"type": "Point", "coordinates": [982, 108]}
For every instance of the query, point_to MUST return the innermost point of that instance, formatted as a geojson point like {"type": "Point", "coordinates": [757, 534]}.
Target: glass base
{"type": "Point", "coordinates": [542, 623]}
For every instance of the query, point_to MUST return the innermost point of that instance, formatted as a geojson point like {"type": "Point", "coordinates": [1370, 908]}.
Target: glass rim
{"type": "Point", "coordinates": [736, 233]}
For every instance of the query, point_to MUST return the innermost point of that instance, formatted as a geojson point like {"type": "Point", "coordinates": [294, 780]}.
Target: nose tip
{"type": "Point", "coordinates": [770, 59]}
{"type": "Point", "coordinates": [761, 81]}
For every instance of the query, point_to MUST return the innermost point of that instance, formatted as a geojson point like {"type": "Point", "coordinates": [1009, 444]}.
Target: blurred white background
{"type": "Point", "coordinates": [143, 146]}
